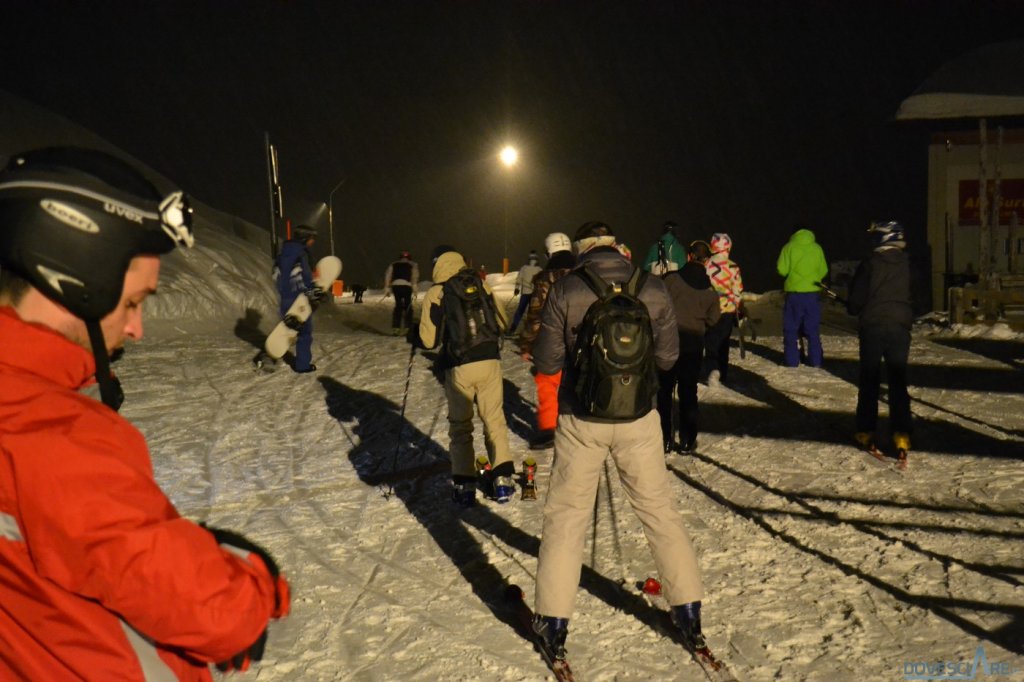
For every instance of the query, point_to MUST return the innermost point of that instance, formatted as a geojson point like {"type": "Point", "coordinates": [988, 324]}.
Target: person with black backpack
{"type": "Point", "coordinates": [460, 313]}
{"type": "Point", "coordinates": [610, 327]}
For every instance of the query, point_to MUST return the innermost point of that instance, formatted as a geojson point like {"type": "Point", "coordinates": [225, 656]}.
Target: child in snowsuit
{"type": "Point", "coordinates": [728, 284]}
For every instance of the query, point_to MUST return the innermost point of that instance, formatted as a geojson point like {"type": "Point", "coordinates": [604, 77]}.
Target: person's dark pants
{"type": "Point", "coordinates": [402, 314]}
{"type": "Point", "coordinates": [682, 378]}
{"type": "Point", "coordinates": [304, 341]}
{"type": "Point", "coordinates": [524, 303]}
{"type": "Point", "coordinates": [890, 342]}
{"type": "Point", "coordinates": [802, 312]}
{"type": "Point", "coordinates": [716, 345]}
{"type": "Point", "coordinates": [358, 295]}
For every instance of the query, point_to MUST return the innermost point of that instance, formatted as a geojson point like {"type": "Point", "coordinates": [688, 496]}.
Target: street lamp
{"type": "Point", "coordinates": [330, 211]}
{"type": "Point", "coordinates": [509, 156]}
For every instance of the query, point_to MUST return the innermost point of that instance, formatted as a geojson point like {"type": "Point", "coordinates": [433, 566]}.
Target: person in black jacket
{"type": "Point", "coordinates": [880, 297]}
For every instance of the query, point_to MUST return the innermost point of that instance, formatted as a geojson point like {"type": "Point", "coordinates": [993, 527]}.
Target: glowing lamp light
{"type": "Point", "coordinates": [509, 156]}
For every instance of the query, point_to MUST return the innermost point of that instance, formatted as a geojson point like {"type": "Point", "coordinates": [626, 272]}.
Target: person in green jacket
{"type": "Point", "coordinates": [802, 263]}
{"type": "Point", "coordinates": [667, 254]}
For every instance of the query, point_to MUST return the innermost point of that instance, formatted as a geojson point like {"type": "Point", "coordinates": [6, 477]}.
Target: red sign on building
{"type": "Point", "coordinates": [1012, 191]}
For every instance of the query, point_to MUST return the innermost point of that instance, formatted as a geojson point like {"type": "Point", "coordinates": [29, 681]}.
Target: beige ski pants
{"type": "Point", "coordinates": [637, 451]}
{"type": "Point", "coordinates": [478, 382]}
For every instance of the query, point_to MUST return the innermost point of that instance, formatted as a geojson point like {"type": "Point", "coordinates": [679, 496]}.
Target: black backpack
{"type": "Point", "coordinates": [613, 358]}
{"type": "Point", "coordinates": [469, 317]}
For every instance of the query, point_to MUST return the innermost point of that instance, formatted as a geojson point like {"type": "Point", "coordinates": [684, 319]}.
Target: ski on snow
{"type": "Point", "coordinates": [899, 463]}
{"type": "Point", "coordinates": [714, 668]}
{"type": "Point", "coordinates": [517, 601]}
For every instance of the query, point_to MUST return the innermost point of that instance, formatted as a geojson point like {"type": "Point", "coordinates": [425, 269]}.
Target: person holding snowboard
{"type": "Point", "coordinates": [293, 277]}
{"type": "Point", "coordinates": [583, 442]}
{"type": "Point", "coordinates": [802, 262]}
{"type": "Point", "coordinates": [696, 310]}
{"type": "Point", "coordinates": [880, 297]}
{"type": "Point", "coordinates": [401, 279]}
{"type": "Point", "coordinates": [460, 314]}
{"type": "Point", "coordinates": [727, 282]}
{"type": "Point", "coordinates": [100, 577]}
{"type": "Point", "coordinates": [524, 289]}
{"type": "Point", "coordinates": [667, 254]}
{"type": "Point", "coordinates": [560, 262]}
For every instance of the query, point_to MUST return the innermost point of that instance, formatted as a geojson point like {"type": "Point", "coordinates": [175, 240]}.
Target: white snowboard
{"type": "Point", "coordinates": [287, 330]}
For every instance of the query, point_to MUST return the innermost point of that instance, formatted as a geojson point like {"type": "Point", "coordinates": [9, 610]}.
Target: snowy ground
{"type": "Point", "coordinates": [819, 564]}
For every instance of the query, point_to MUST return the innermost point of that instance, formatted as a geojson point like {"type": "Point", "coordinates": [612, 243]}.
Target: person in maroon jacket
{"type": "Point", "coordinates": [100, 577]}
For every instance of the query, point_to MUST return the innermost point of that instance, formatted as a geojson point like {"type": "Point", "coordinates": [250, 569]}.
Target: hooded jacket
{"type": "Point", "coordinates": [880, 289]}
{"type": "Point", "coordinates": [724, 274]}
{"type": "Point", "coordinates": [802, 263]}
{"type": "Point", "coordinates": [100, 578]}
{"type": "Point", "coordinates": [675, 253]}
{"type": "Point", "coordinates": [567, 303]}
{"type": "Point", "coordinates": [695, 305]}
{"type": "Point", "coordinates": [431, 315]}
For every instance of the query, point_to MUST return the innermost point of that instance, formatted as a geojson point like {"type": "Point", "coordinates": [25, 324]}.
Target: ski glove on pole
{"type": "Point", "coordinates": [257, 556]}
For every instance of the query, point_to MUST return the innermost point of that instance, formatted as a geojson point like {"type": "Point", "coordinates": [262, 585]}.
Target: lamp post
{"type": "Point", "coordinates": [330, 211]}
{"type": "Point", "coordinates": [509, 156]}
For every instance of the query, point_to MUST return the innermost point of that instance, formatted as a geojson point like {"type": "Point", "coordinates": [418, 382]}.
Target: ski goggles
{"type": "Point", "coordinates": [176, 219]}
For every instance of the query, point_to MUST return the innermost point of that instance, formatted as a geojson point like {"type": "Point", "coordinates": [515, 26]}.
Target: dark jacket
{"type": "Point", "coordinates": [293, 274]}
{"type": "Point", "coordinates": [880, 289]}
{"type": "Point", "coordinates": [431, 329]}
{"type": "Point", "coordinates": [694, 303]}
{"type": "Point", "coordinates": [559, 265]}
{"type": "Point", "coordinates": [567, 304]}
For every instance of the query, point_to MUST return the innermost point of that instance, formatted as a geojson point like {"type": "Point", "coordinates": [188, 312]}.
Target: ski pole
{"type": "Point", "coordinates": [401, 417]}
{"type": "Point", "coordinates": [831, 294]}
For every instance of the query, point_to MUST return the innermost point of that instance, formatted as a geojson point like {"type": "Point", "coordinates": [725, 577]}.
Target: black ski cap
{"type": "Point", "coordinates": [593, 229]}
{"type": "Point", "coordinates": [439, 250]}
{"type": "Point", "coordinates": [304, 232]}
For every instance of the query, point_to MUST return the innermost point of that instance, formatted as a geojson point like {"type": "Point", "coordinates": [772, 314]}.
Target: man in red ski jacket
{"type": "Point", "coordinates": [100, 578]}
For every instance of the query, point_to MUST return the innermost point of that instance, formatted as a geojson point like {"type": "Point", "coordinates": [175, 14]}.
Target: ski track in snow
{"type": "Point", "coordinates": [819, 563]}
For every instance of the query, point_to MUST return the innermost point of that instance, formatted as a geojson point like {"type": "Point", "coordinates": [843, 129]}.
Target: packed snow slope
{"type": "Point", "coordinates": [819, 563]}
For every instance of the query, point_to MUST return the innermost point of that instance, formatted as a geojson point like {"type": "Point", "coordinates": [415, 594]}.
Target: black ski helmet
{"type": "Point", "coordinates": [304, 232]}
{"type": "Point", "coordinates": [71, 220]}
{"type": "Point", "coordinates": [669, 228]}
{"type": "Point", "coordinates": [887, 233]}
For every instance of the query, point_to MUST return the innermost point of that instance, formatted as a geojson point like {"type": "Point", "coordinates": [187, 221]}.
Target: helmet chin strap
{"type": "Point", "coordinates": [110, 388]}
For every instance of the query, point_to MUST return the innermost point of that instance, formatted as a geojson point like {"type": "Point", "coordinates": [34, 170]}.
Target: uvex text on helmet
{"type": "Point", "coordinates": [71, 220]}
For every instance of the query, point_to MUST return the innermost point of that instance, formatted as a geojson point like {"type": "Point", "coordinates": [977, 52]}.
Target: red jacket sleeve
{"type": "Point", "coordinates": [97, 524]}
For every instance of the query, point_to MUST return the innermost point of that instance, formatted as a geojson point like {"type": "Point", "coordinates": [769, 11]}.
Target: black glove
{"type": "Point", "coordinates": [516, 292]}
{"type": "Point", "coordinates": [316, 294]}
{"type": "Point", "coordinates": [243, 659]}
{"type": "Point", "coordinates": [412, 337]}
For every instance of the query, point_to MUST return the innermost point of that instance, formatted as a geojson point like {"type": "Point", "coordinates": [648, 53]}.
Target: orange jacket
{"type": "Point", "coordinates": [100, 578]}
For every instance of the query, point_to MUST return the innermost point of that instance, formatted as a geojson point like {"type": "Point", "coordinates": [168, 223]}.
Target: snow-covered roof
{"type": "Point", "coordinates": [987, 82]}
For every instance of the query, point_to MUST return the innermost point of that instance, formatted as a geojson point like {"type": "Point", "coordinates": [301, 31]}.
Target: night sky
{"type": "Point", "coordinates": [744, 117]}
